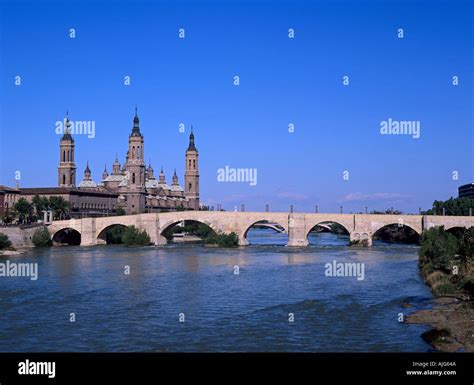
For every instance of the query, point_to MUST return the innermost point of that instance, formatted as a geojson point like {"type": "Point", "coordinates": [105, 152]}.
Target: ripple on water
{"type": "Point", "coordinates": [223, 311]}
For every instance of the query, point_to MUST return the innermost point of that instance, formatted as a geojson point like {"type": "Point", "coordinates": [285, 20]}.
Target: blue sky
{"type": "Point", "coordinates": [282, 81]}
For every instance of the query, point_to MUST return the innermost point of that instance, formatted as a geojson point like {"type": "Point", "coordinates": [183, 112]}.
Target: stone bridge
{"type": "Point", "coordinates": [361, 227]}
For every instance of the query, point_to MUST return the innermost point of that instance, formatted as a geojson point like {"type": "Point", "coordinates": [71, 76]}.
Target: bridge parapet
{"type": "Point", "coordinates": [447, 221]}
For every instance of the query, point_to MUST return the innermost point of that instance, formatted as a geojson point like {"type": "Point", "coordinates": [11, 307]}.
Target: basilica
{"type": "Point", "coordinates": [131, 188]}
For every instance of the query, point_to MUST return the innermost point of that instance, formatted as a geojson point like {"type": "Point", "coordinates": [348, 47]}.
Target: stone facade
{"type": "Point", "coordinates": [92, 202]}
{"type": "Point", "coordinates": [8, 197]}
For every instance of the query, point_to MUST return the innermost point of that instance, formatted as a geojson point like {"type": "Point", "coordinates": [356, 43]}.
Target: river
{"type": "Point", "coordinates": [221, 310]}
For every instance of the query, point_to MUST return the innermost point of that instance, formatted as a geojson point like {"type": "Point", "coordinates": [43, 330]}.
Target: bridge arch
{"type": "Point", "coordinates": [172, 223]}
{"type": "Point", "coordinates": [413, 227]}
{"type": "Point", "coordinates": [67, 235]}
{"type": "Point", "coordinates": [103, 235]}
{"type": "Point", "coordinates": [275, 226]}
{"type": "Point", "coordinates": [406, 233]}
{"type": "Point", "coordinates": [325, 224]}
{"type": "Point", "coordinates": [455, 228]}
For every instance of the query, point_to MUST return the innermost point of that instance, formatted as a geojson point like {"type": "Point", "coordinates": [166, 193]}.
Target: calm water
{"type": "Point", "coordinates": [223, 311]}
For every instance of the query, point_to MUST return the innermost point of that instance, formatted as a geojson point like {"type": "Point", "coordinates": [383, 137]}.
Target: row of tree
{"type": "Point", "coordinates": [25, 211]}
{"type": "Point", "coordinates": [453, 206]}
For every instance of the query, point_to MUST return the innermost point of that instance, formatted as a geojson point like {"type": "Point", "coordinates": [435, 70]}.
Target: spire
{"type": "Point", "coordinates": [162, 176]}
{"type": "Point", "coordinates": [149, 172]}
{"type": "Point", "coordinates": [105, 174]}
{"type": "Point", "coordinates": [67, 131]}
{"type": "Point", "coordinates": [87, 172]}
{"type": "Point", "coordinates": [116, 166]}
{"type": "Point", "coordinates": [175, 178]}
{"type": "Point", "coordinates": [136, 124]}
{"type": "Point", "coordinates": [191, 146]}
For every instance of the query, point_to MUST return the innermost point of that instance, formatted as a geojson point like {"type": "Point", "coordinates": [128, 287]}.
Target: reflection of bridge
{"type": "Point", "coordinates": [361, 227]}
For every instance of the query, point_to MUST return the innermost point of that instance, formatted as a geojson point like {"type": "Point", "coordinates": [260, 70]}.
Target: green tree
{"type": "Point", "coordinates": [114, 235]}
{"type": "Point", "coordinates": [388, 211]}
{"type": "Point", "coordinates": [24, 210]}
{"type": "Point", "coordinates": [336, 228]}
{"type": "Point", "coordinates": [8, 217]}
{"type": "Point", "coordinates": [42, 238]}
{"type": "Point", "coordinates": [59, 206]}
{"type": "Point", "coordinates": [438, 248]}
{"type": "Point", "coordinates": [4, 241]}
{"type": "Point", "coordinates": [222, 240]}
{"type": "Point", "coordinates": [40, 204]}
{"type": "Point", "coordinates": [134, 237]}
{"type": "Point", "coordinates": [119, 211]}
{"type": "Point", "coordinates": [453, 206]}
{"type": "Point", "coordinates": [466, 245]}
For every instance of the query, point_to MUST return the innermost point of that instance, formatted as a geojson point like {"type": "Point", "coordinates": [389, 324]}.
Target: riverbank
{"type": "Point", "coordinates": [452, 320]}
{"type": "Point", "coordinates": [13, 253]}
{"type": "Point", "coordinates": [446, 265]}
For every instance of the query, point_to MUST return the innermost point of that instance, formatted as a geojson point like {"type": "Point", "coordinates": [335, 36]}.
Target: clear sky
{"type": "Point", "coordinates": [282, 81]}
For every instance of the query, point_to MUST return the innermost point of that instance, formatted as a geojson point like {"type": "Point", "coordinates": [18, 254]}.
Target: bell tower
{"type": "Point", "coordinates": [135, 167]}
{"type": "Point", "coordinates": [67, 167]}
{"type": "Point", "coordinates": [191, 175]}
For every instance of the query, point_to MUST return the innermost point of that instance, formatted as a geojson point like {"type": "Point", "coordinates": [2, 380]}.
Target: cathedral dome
{"type": "Point", "coordinates": [87, 184]}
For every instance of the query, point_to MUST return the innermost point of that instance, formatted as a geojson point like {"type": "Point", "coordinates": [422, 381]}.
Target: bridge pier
{"type": "Point", "coordinates": [243, 241]}
{"type": "Point", "coordinates": [88, 232]}
{"type": "Point", "coordinates": [151, 224]}
{"type": "Point", "coordinates": [297, 234]}
{"type": "Point", "coordinates": [362, 238]}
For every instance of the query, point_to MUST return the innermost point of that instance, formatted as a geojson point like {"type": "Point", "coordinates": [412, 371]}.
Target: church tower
{"type": "Point", "coordinates": [105, 174]}
{"type": "Point", "coordinates": [66, 168]}
{"type": "Point", "coordinates": [135, 168]}
{"type": "Point", "coordinates": [191, 175]}
{"type": "Point", "coordinates": [116, 166]}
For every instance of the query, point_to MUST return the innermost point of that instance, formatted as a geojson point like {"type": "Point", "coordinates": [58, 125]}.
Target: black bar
{"type": "Point", "coordinates": [323, 368]}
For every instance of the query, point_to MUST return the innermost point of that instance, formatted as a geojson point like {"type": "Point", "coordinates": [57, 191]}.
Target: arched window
{"type": "Point", "coordinates": [194, 164]}
{"type": "Point", "coordinates": [133, 178]}
{"type": "Point", "coordinates": [64, 155]}
{"type": "Point", "coordinates": [64, 179]}
{"type": "Point", "coordinates": [189, 163]}
{"type": "Point", "coordinates": [190, 187]}
{"type": "Point", "coordinates": [138, 152]}
{"type": "Point", "coordinates": [133, 152]}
